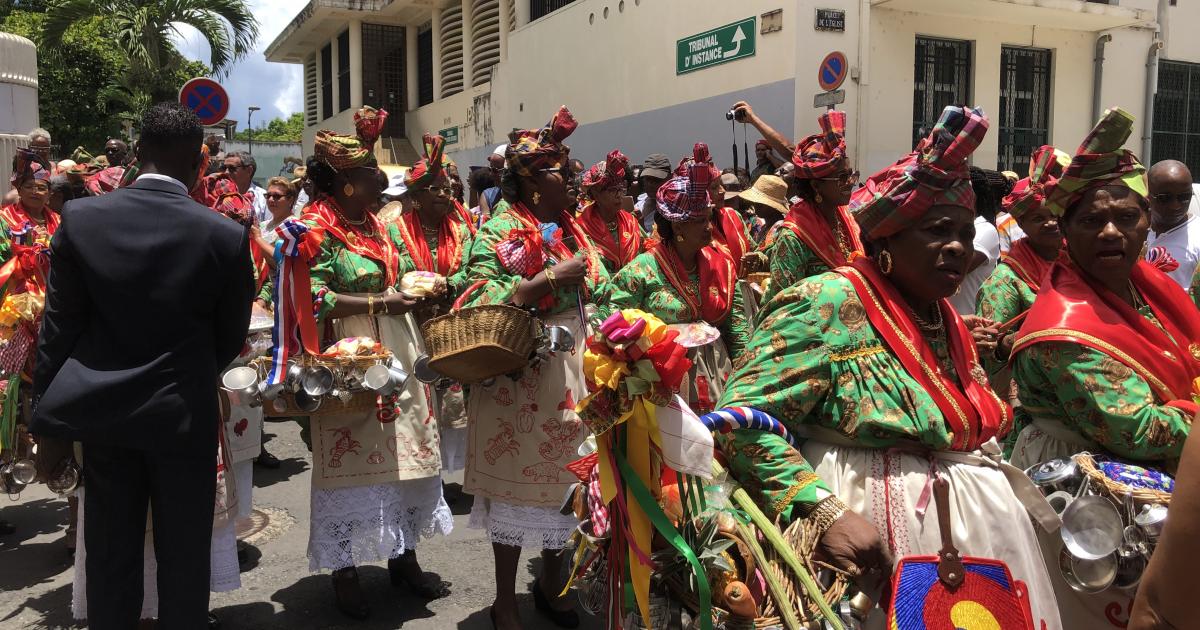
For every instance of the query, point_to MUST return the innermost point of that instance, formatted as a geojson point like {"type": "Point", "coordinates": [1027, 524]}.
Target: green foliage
{"type": "Point", "coordinates": [278, 130]}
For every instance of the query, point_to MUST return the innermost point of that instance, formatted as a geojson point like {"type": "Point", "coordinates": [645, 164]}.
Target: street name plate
{"type": "Point", "coordinates": [829, 99]}
{"type": "Point", "coordinates": [831, 20]}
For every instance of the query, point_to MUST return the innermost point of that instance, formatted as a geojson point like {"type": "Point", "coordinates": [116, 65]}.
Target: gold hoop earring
{"type": "Point", "coordinates": [817, 198]}
{"type": "Point", "coordinates": [537, 198]}
{"type": "Point", "coordinates": [679, 238]}
{"type": "Point", "coordinates": [885, 262]}
{"type": "Point", "coordinates": [348, 190]}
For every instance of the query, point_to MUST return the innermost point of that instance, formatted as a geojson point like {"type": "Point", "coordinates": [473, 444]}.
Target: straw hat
{"type": "Point", "coordinates": [768, 190]}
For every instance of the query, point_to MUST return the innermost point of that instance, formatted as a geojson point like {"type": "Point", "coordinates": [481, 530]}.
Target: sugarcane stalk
{"type": "Point", "coordinates": [786, 614]}
{"type": "Point", "coordinates": [788, 554]}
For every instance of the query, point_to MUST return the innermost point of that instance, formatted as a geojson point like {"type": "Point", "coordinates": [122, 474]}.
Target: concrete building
{"type": "Point", "coordinates": [657, 75]}
{"type": "Point", "coordinates": [18, 98]}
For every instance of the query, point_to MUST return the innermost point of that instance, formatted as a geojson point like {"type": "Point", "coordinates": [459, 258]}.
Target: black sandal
{"type": "Point", "coordinates": [561, 618]}
{"type": "Point", "coordinates": [348, 594]}
{"type": "Point", "coordinates": [430, 588]}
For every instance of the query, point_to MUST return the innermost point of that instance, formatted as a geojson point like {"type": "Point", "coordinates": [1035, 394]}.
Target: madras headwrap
{"type": "Point", "coordinates": [27, 165]}
{"type": "Point", "coordinates": [535, 149]}
{"type": "Point", "coordinates": [346, 152]}
{"type": "Point", "coordinates": [700, 155]}
{"type": "Point", "coordinates": [104, 181]}
{"type": "Point", "coordinates": [1100, 161]}
{"type": "Point", "coordinates": [684, 198]}
{"type": "Point", "coordinates": [938, 176]}
{"type": "Point", "coordinates": [822, 154]}
{"type": "Point", "coordinates": [608, 173]}
{"type": "Point", "coordinates": [1030, 193]}
{"type": "Point", "coordinates": [427, 169]}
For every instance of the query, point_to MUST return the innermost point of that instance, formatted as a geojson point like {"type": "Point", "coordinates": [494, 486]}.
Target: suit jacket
{"type": "Point", "coordinates": [148, 300]}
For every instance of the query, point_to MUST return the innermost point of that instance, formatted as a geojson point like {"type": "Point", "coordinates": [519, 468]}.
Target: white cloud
{"type": "Point", "coordinates": [275, 87]}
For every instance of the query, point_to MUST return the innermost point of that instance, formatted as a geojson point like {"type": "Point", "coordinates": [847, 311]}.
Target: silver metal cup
{"type": "Point", "coordinates": [294, 378]}
{"type": "Point", "coordinates": [561, 339]}
{"type": "Point", "coordinates": [1151, 520]}
{"type": "Point", "coordinates": [423, 372]}
{"type": "Point", "coordinates": [24, 471]}
{"type": "Point", "coordinates": [1087, 576]}
{"type": "Point", "coordinates": [241, 384]}
{"type": "Point", "coordinates": [307, 402]}
{"type": "Point", "coordinates": [317, 381]}
{"type": "Point", "coordinates": [269, 392]}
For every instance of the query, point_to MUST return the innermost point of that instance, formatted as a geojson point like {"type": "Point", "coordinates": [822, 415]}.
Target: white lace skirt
{"type": "Point", "coordinates": [351, 526]}
{"type": "Point", "coordinates": [454, 448]}
{"type": "Point", "coordinates": [522, 525]}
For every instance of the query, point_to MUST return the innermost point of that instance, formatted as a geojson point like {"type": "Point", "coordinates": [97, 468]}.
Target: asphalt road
{"type": "Point", "coordinates": [278, 591]}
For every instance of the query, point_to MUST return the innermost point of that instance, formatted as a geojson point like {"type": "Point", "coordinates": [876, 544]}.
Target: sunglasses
{"type": "Point", "coordinates": [844, 178]}
{"type": "Point", "coordinates": [441, 190]}
{"type": "Point", "coordinates": [230, 168]}
{"type": "Point", "coordinates": [1182, 198]}
{"type": "Point", "coordinates": [275, 196]}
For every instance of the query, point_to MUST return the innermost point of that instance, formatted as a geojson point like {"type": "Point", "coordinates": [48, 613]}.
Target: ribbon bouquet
{"type": "Point", "coordinates": [666, 537]}
{"type": "Point", "coordinates": [23, 286]}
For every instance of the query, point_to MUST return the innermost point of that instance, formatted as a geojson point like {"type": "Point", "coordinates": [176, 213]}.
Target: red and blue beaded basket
{"type": "Point", "coordinates": [988, 598]}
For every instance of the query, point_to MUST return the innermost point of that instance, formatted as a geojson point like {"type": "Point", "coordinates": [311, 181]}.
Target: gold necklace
{"type": "Point", "coordinates": [368, 231]}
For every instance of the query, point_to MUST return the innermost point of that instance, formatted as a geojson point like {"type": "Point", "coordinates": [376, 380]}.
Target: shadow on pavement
{"type": "Point", "coordinates": [54, 606]}
{"type": "Point", "coordinates": [288, 468]}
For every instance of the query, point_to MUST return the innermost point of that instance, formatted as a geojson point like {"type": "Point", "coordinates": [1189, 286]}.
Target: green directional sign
{"type": "Point", "coordinates": [450, 134]}
{"type": "Point", "coordinates": [710, 48]}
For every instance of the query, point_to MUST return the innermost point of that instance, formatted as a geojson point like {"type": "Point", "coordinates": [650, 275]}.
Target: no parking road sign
{"type": "Point", "coordinates": [207, 98]}
{"type": "Point", "coordinates": [832, 71]}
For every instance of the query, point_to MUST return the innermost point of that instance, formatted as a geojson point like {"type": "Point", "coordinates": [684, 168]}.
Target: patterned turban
{"type": "Point", "coordinates": [606, 174]}
{"type": "Point", "coordinates": [700, 155]}
{"type": "Point", "coordinates": [239, 207]}
{"type": "Point", "coordinates": [1030, 193]}
{"type": "Point", "coordinates": [684, 198]}
{"type": "Point", "coordinates": [935, 174]}
{"type": "Point", "coordinates": [823, 154]}
{"type": "Point", "coordinates": [1100, 161]}
{"type": "Point", "coordinates": [427, 169]}
{"type": "Point", "coordinates": [105, 181]}
{"type": "Point", "coordinates": [346, 152]}
{"type": "Point", "coordinates": [535, 149]}
{"type": "Point", "coordinates": [27, 165]}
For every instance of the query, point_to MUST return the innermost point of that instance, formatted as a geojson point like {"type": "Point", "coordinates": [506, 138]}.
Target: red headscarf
{"type": "Point", "coordinates": [822, 154]}
{"type": "Point", "coordinates": [717, 281]}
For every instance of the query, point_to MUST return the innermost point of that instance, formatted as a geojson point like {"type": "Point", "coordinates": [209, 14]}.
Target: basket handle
{"type": "Point", "coordinates": [465, 294]}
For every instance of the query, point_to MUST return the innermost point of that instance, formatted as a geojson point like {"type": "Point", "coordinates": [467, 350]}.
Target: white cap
{"type": "Point", "coordinates": [396, 186]}
{"type": "Point", "coordinates": [500, 150]}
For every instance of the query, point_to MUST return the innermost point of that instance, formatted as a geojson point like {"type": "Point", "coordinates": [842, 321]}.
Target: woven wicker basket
{"type": "Point", "coordinates": [480, 342]}
{"type": "Point", "coordinates": [1087, 465]}
{"type": "Point", "coordinates": [330, 405]}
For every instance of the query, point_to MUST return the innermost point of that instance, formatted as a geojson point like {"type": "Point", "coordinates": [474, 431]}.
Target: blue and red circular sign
{"type": "Point", "coordinates": [832, 71]}
{"type": "Point", "coordinates": [207, 98]}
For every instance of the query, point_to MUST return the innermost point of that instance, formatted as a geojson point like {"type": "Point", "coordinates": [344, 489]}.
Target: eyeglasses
{"type": "Point", "coordinates": [275, 196]}
{"type": "Point", "coordinates": [230, 168]}
{"type": "Point", "coordinates": [441, 190]}
{"type": "Point", "coordinates": [564, 170]}
{"type": "Point", "coordinates": [1182, 198]}
{"type": "Point", "coordinates": [843, 178]}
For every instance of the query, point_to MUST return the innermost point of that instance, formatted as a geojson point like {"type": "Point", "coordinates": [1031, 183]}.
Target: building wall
{"type": "Point", "coordinates": [18, 98]}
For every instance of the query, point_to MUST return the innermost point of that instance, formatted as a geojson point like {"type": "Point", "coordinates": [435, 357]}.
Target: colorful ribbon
{"type": "Point", "coordinates": [295, 328]}
{"type": "Point", "coordinates": [731, 418]}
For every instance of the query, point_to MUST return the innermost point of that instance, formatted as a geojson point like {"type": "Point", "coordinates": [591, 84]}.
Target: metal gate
{"type": "Point", "coordinates": [1024, 105]}
{"type": "Point", "coordinates": [941, 77]}
{"type": "Point", "coordinates": [383, 78]}
{"type": "Point", "coordinates": [1176, 134]}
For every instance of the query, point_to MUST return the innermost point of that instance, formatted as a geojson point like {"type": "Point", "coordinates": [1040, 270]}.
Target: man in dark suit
{"type": "Point", "coordinates": [148, 299]}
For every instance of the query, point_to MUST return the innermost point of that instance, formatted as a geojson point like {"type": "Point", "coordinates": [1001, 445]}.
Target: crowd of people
{"type": "Point", "coordinates": [933, 329]}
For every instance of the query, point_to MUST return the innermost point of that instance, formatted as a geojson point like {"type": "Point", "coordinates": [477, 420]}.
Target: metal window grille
{"type": "Point", "coordinates": [941, 77]}
{"type": "Point", "coordinates": [1176, 133]}
{"type": "Point", "coordinates": [383, 54]}
{"type": "Point", "coordinates": [326, 81]}
{"type": "Point", "coordinates": [343, 44]}
{"type": "Point", "coordinates": [1024, 105]}
{"type": "Point", "coordinates": [310, 91]}
{"type": "Point", "coordinates": [425, 65]}
{"type": "Point", "coordinates": [542, 8]}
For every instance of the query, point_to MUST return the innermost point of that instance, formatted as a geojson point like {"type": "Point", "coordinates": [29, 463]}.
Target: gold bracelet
{"type": "Point", "coordinates": [829, 510]}
{"type": "Point", "coordinates": [383, 301]}
{"type": "Point", "coordinates": [550, 279]}
{"type": "Point", "coordinates": [371, 305]}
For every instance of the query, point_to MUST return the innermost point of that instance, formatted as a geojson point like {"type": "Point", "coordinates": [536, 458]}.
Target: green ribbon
{"type": "Point", "coordinates": [8, 414]}
{"type": "Point", "coordinates": [672, 535]}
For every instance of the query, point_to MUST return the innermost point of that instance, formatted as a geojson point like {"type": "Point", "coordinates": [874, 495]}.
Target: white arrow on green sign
{"type": "Point", "coordinates": [717, 46]}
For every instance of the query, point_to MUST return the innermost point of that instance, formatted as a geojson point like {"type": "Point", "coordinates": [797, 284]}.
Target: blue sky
{"type": "Point", "coordinates": [275, 87]}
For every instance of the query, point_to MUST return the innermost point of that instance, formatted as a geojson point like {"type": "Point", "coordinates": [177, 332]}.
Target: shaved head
{"type": "Point", "coordinates": [1168, 170]}
{"type": "Point", "coordinates": [1170, 194]}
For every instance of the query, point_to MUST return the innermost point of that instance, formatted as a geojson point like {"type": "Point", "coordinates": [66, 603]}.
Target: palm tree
{"type": "Point", "coordinates": [143, 30]}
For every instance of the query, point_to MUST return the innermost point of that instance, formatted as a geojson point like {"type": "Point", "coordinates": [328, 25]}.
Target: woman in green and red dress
{"type": "Point", "coordinates": [368, 504]}
{"type": "Point", "coordinates": [1106, 359]}
{"type": "Point", "coordinates": [25, 230]}
{"type": "Point", "coordinates": [436, 233]}
{"type": "Point", "coordinates": [524, 430]}
{"type": "Point", "coordinates": [872, 369]}
{"type": "Point", "coordinates": [1009, 291]}
{"type": "Point", "coordinates": [729, 232]}
{"type": "Point", "coordinates": [818, 233]}
{"type": "Point", "coordinates": [614, 231]}
{"type": "Point", "coordinates": [686, 278]}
